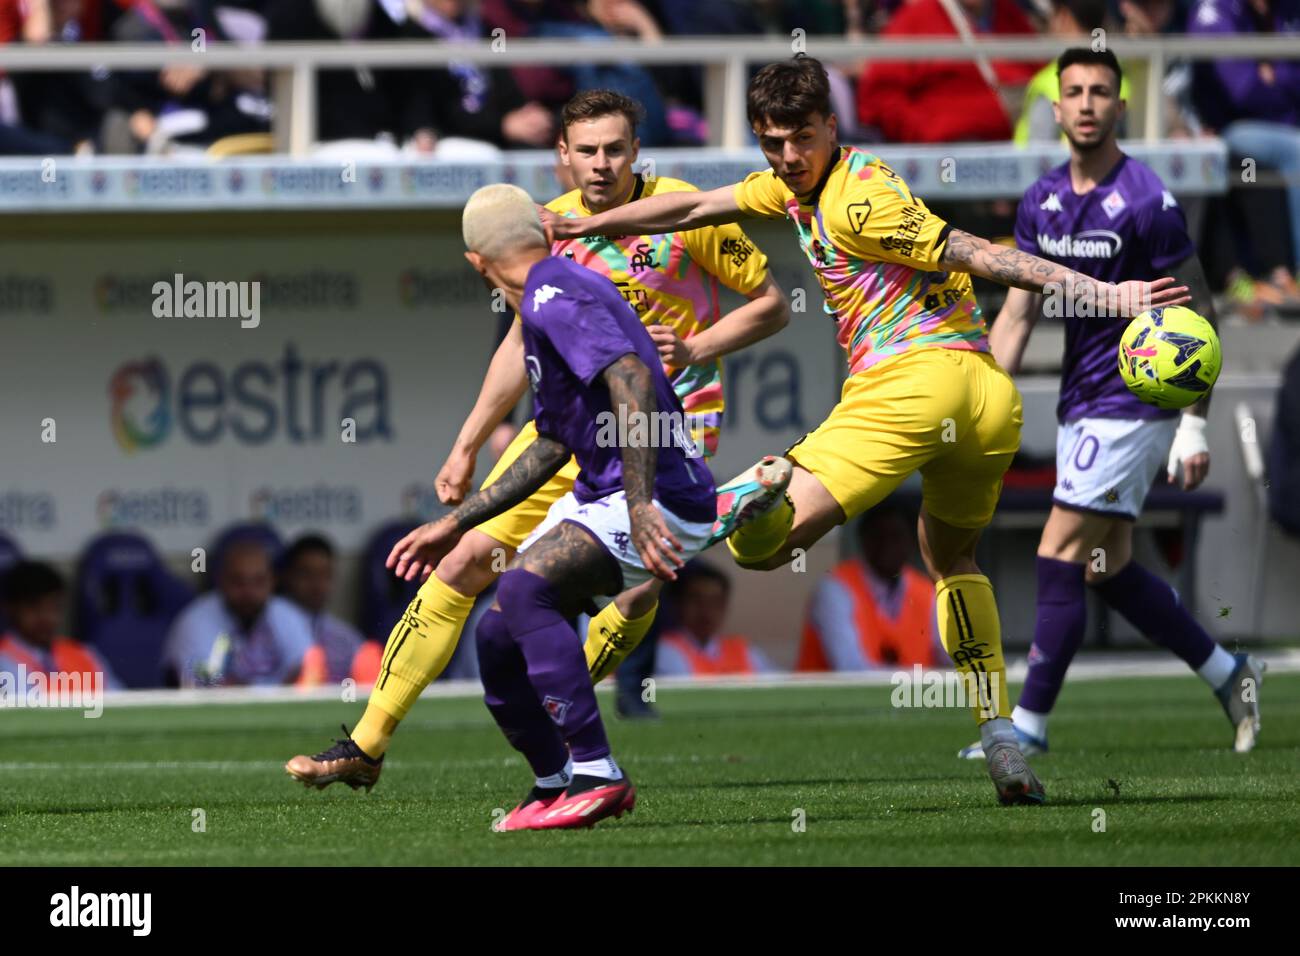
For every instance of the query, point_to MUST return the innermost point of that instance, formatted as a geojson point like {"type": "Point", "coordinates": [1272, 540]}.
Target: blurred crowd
{"type": "Point", "coordinates": [265, 617]}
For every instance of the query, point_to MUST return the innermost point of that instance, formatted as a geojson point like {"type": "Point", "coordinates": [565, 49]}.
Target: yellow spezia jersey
{"type": "Point", "coordinates": [875, 248]}
{"type": "Point", "coordinates": [672, 279]}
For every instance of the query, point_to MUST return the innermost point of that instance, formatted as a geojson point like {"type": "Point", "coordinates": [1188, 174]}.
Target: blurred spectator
{"type": "Point", "coordinates": [1255, 104]}
{"type": "Point", "coordinates": [1071, 21]}
{"type": "Point", "coordinates": [307, 579]}
{"type": "Point", "coordinates": [467, 101]}
{"type": "Point", "coordinates": [181, 104]}
{"type": "Point", "coordinates": [239, 633]}
{"type": "Point", "coordinates": [388, 106]}
{"type": "Point", "coordinates": [1150, 17]}
{"type": "Point", "coordinates": [945, 102]}
{"type": "Point", "coordinates": [584, 23]}
{"type": "Point", "coordinates": [33, 595]}
{"type": "Point", "coordinates": [51, 113]}
{"type": "Point", "coordinates": [698, 647]}
{"type": "Point", "coordinates": [875, 610]}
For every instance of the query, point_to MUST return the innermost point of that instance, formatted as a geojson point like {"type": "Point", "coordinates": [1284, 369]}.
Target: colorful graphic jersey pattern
{"type": "Point", "coordinates": [875, 248]}
{"type": "Point", "coordinates": [672, 280]}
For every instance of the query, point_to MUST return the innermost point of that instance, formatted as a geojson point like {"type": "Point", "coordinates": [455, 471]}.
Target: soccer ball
{"type": "Point", "coordinates": [1169, 357]}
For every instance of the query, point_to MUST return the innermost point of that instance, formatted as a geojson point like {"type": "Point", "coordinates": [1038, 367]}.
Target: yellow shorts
{"type": "Point", "coordinates": [953, 415]}
{"type": "Point", "coordinates": [512, 527]}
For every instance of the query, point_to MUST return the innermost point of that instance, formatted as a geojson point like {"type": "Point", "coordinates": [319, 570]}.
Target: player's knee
{"type": "Point", "coordinates": [470, 567]}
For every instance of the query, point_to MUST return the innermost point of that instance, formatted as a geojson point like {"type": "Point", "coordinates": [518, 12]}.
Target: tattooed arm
{"type": "Point", "coordinates": [964, 252]}
{"type": "Point", "coordinates": [632, 396]}
{"type": "Point", "coordinates": [421, 550]}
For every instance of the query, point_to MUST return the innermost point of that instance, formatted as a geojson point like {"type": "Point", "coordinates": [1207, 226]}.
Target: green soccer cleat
{"type": "Point", "coordinates": [749, 494]}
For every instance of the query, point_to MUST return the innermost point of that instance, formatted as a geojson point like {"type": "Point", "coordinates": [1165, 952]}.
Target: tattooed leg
{"type": "Point", "coordinates": [547, 584]}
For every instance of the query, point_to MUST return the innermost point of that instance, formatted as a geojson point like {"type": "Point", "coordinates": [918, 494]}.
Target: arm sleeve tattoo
{"type": "Point", "coordinates": [631, 390]}
{"type": "Point", "coordinates": [533, 468]}
{"type": "Point", "coordinates": [967, 253]}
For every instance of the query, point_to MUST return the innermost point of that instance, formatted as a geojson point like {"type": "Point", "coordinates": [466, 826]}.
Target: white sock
{"type": "Point", "coordinates": [997, 729]}
{"type": "Point", "coordinates": [561, 778]}
{"type": "Point", "coordinates": [1035, 725]}
{"type": "Point", "coordinates": [605, 768]}
{"type": "Point", "coordinates": [1218, 668]}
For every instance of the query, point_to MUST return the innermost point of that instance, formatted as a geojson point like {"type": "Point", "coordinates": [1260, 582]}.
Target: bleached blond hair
{"type": "Point", "coordinates": [500, 220]}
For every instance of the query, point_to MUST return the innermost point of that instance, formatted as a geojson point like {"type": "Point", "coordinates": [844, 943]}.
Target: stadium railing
{"type": "Point", "coordinates": [726, 60]}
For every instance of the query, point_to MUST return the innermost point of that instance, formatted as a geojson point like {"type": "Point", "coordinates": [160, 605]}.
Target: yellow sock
{"type": "Point", "coordinates": [417, 651]}
{"type": "Point", "coordinates": [611, 637]}
{"type": "Point", "coordinates": [972, 635]}
{"type": "Point", "coordinates": [764, 536]}
{"type": "Point", "coordinates": [374, 730]}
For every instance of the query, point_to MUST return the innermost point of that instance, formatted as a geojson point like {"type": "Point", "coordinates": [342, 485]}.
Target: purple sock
{"type": "Point", "coordinates": [1152, 606]}
{"type": "Point", "coordinates": [509, 696]}
{"type": "Point", "coordinates": [557, 665]}
{"type": "Point", "coordinates": [1058, 632]}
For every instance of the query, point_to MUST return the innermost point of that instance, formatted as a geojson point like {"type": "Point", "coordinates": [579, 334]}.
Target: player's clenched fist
{"type": "Point", "coordinates": [454, 477]}
{"type": "Point", "coordinates": [674, 351]}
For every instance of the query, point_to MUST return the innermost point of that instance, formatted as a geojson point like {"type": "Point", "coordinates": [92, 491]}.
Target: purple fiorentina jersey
{"type": "Point", "coordinates": [1128, 227]}
{"type": "Point", "coordinates": [576, 323]}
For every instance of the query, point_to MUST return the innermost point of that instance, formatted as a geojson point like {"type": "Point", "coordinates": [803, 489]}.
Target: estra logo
{"type": "Point", "coordinates": [252, 403]}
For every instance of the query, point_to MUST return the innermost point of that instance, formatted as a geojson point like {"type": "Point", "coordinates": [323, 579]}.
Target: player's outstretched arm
{"type": "Point", "coordinates": [666, 212]}
{"type": "Point", "coordinates": [631, 394]}
{"type": "Point", "coordinates": [964, 252]}
{"type": "Point", "coordinates": [421, 550]}
{"type": "Point", "coordinates": [503, 386]}
{"type": "Point", "coordinates": [765, 314]}
{"type": "Point", "coordinates": [1011, 331]}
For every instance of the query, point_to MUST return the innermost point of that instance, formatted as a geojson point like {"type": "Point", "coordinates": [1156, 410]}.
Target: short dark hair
{"type": "Point", "coordinates": [30, 581]}
{"type": "Point", "coordinates": [1076, 55]}
{"type": "Point", "coordinates": [889, 509]}
{"type": "Point", "coordinates": [1088, 14]}
{"type": "Point", "coordinates": [700, 570]}
{"type": "Point", "coordinates": [788, 92]}
{"type": "Point", "coordinates": [593, 104]}
{"type": "Point", "coordinates": [306, 544]}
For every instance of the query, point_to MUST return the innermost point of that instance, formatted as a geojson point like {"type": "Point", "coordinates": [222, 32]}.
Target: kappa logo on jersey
{"type": "Point", "coordinates": [557, 707]}
{"type": "Point", "coordinates": [1051, 204]}
{"type": "Point", "coordinates": [1167, 200]}
{"type": "Point", "coordinates": [1114, 204]}
{"type": "Point", "coordinates": [859, 212]}
{"type": "Point", "coordinates": [544, 295]}
{"type": "Point", "coordinates": [1089, 244]}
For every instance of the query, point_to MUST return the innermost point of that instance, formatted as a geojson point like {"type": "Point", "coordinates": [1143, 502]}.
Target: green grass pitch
{"type": "Point", "coordinates": [724, 778]}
